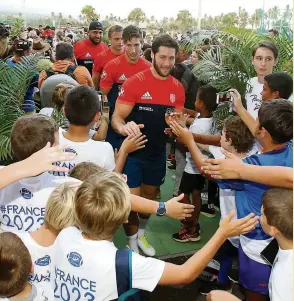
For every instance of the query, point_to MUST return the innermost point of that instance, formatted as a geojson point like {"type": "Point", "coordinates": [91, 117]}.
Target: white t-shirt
{"type": "Point", "coordinates": [281, 279]}
{"type": "Point", "coordinates": [226, 196]}
{"type": "Point", "coordinates": [253, 97]}
{"type": "Point", "coordinates": [22, 203]}
{"type": "Point", "coordinates": [199, 126]}
{"type": "Point", "coordinates": [35, 295]}
{"type": "Point", "coordinates": [86, 268]}
{"type": "Point", "coordinates": [98, 152]}
{"type": "Point", "coordinates": [41, 258]}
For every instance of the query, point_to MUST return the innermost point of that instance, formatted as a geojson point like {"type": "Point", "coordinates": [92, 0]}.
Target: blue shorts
{"type": "Point", "coordinates": [114, 138]}
{"type": "Point", "coordinates": [253, 276]}
{"type": "Point", "coordinates": [148, 172]}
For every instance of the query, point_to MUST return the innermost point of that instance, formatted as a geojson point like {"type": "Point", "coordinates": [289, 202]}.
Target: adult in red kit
{"type": "Point", "coordinates": [86, 50]}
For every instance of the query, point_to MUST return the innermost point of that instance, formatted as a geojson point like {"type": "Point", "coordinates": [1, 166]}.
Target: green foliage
{"type": "Point", "coordinates": [137, 15]}
{"type": "Point", "coordinates": [17, 25]}
{"type": "Point", "coordinates": [228, 63]}
{"type": "Point", "coordinates": [89, 14]}
{"type": "Point", "coordinates": [14, 83]}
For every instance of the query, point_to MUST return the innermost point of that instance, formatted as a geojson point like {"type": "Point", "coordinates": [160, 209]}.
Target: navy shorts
{"type": "Point", "coordinates": [191, 182]}
{"type": "Point", "coordinates": [148, 172]}
{"type": "Point", "coordinates": [253, 276]}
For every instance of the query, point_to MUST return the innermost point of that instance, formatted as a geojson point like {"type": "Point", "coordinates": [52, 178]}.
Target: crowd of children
{"type": "Point", "coordinates": [63, 201]}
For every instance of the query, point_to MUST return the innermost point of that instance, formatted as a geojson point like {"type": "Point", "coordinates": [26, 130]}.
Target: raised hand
{"type": "Point", "coordinates": [133, 143]}
{"type": "Point", "coordinates": [177, 210]}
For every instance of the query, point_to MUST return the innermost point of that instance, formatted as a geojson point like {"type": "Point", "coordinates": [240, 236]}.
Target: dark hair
{"type": "Point", "coordinates": [130, 32]}
{"type": "Point", "coordinates": [81, 105]}
{"type": "Point", "coordinates": [166, 41]}
{"type": "Point", "coordinates": [146, 46]}
{"type": "Point", "coordinates": [276, 116]}
{"type": "Point", "coordinates": [64, 51]}
{"type": "Point", "coordinates": [281, 82]}
{"type": "Point", "coordinates": [47, 27]}
{"type": "Point", "coordinates": [114, 28]}
{"type": "Point", "coordinates": [30, 133]}
{"type": "Point", "coordinates": [207, 94]}
{"type": "Point", "coordinates": [15, 264]}
{"type": "Point", "coordinates": [20, 46]}
{"type": "Point", "coordinates": [147, 55]}
{"type": "Point", "coordinates": [268, 45]}
{"type": "Point", "coordinates": [274, 31]}
{"type": "Point", "coordinates": [278, 210]}
{"type": "Point", "coordinates": [240, 135]}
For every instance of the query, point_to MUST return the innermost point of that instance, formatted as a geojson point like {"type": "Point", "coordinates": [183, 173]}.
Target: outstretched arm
{"type": "Point", "coordinates": [234, 168]}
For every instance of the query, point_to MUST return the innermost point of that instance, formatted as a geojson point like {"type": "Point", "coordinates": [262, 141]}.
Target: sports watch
{"type": "Point", "coordinates": [161, 211]}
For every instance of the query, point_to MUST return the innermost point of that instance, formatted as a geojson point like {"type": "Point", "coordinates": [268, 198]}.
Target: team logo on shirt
{"type": "Point", "coordinates": [104, 74]}
{"type": "Point", "coordinates": [25, 193]}
{"type": "Point", "coordinates": [172, 98]}
{"type": "Point", "coordinates": [123, 77]}
{"type": "Point", "coordinates": [87, 54]}
{"type": "Point", "coordinates": [121, 92]}
{"type": "Point", "coordinates": [70, 150]}
{"type": "Point", "coordinates": [75, 259]}
{"type": "Point", "coordinates": [43, 261]}
{"type": "Point", "coordinates": [146, 96]}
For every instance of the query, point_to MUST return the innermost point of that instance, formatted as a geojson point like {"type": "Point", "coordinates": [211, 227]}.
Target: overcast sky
{"type": "Point", "coordinates": [157, 8]}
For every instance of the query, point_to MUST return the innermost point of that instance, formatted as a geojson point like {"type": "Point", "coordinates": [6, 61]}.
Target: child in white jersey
{"type": "Point", "coordinates": [22, 203]}
{"type": "Point", "coordinates": [59, 215]}
{"type": "Point", "coordinates": [82, 109]}
{"type": "Point", "coordinates": [84, 261]}
{"type": "Point", "coordinates": [192, 181]}
{"type": "Point", "coordinates": [15, 268]}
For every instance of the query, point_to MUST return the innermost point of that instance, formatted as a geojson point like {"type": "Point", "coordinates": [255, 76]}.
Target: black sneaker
{"type": "Point", "coordinates": [172, 166]}
{"type": "Point", "coordinates": [206, 288]}
{"type": "Point", "coordinates": [184, 236]}
{"type": "Point", "coordinates": [185, 225]}
{"type": "Point", "coordinates": [208, 210]}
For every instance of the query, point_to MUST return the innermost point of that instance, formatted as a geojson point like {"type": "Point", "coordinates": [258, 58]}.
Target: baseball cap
{"type": "Point", "coordinates": [96, 25]}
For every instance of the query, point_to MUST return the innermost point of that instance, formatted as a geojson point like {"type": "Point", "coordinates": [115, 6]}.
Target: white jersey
{"type": "Point", "coordinates": [85, 269]}
{"type": "Point", "coordinates": [199, 126]}
{"type": "Point", "coordinates": [227, 199]}
{"type": "Point", "coordinates": [253, 96]}
{"type": "Point", "coordinates": [41, 258]}
{"type": "Point", "coordinates": [35, 295]}
{"type": "Point", "coordinates": [281, 279]}
{"type": "Point", "coordinates": [22, 203]}
{"type": "Point", "coordinates": [98, 152]}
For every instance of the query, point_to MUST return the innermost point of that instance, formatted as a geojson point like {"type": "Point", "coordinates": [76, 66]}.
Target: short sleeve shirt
{"type": "Point", "coordinates": [151, 98]}
{"type": "Point", "coordinates": [116, 72]}
{"type": "Point", "coordinates": [85, 52]}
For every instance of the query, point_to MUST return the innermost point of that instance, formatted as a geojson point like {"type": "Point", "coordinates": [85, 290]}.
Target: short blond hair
{"type": "Point", "coordinates": [102, 204]}
{"type": "Point", "coordinates": [59, 213]}
{"type": "Point", "coordinates": [83, 171]}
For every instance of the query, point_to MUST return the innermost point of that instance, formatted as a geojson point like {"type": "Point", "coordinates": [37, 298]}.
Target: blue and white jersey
{"type": "Point", "coordinates": [22, 203]}
{"type": "Point", "coordinates": [249, 198]}
{"type": "Point", "coordinates": [84, 269]}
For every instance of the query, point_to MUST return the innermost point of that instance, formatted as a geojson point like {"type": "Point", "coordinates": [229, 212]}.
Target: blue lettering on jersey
{"type": "Point", "coordinates": [26, 194]}
{"type": "Point", "coordinates": [43, 261]}
{"type": "Point", "coordinates": [75, 259]}
{"type": "Point", "coordinates": [39, 278]}
{"type": "Point", "coordinates": [70, 150]}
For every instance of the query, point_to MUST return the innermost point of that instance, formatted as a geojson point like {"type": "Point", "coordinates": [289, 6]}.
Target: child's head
{"type": "Point", "coordinates": [264, 58]}
{"type": "Point", "coordinates": [30, 133]}
{"type": "Point", "coordinates": [275, 121]}
{"type": "Point", "coordinates": [102, 204]}
{"type": "Point", "coordinates": [206, 99]}
{"type": "Point", "coordinates": [59, 94]}
{"type": "Point", "coordinates": [60, 206]}
{"type": "Point", "coordinates": [82, 106]}
{"type": "Point", "coordinates": [277, 85]}
{"type": "Point", "coordinates": [277, 212]}
{"type": "Point", "coordinates": [15, 264]}
{"type": "Point", "coordinates": [85, 170]}
{"type": "Point", "coordinates": [236, 135]}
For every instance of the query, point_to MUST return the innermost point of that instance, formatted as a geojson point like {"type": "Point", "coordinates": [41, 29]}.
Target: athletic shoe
{"type": "Point", "coordinates": [208, 287]}
{"type": "Point", "coordinates": [204, 196]}
{"type": "Point", "coordinates": [207, 210]}
{"type": "Point", "coordinates": [174, 177]}
{"type": "Point", "coordinates": [185, 225]}
{"type": "Point", "coordinates": [171, 157]}
{"type": "Point", "coordinates": [145, 246]}
{"type": "Point", "coordinates": [172, 166]}
{"type": "Point", "coordinates": [184, 236]}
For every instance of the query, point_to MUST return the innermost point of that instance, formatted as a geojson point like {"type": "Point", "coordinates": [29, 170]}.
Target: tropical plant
{"type": "Point", "coordinates": [137, 16]}
{"type": "Point", "coordinates": [14, 83]}
{"type": "Point", "coordinates": [227, 64]}
{"type": "Point", "coordinates": [89, 13]}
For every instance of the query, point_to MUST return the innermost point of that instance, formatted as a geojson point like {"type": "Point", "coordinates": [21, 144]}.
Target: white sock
{"type": "Point", "coordinates": [132, 242]}
{"type": "Point", "coordinates": [142, 227]}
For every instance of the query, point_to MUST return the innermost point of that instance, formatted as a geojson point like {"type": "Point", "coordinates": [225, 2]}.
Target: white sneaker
{"type": "Point", "coordinates": [145, 246]}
